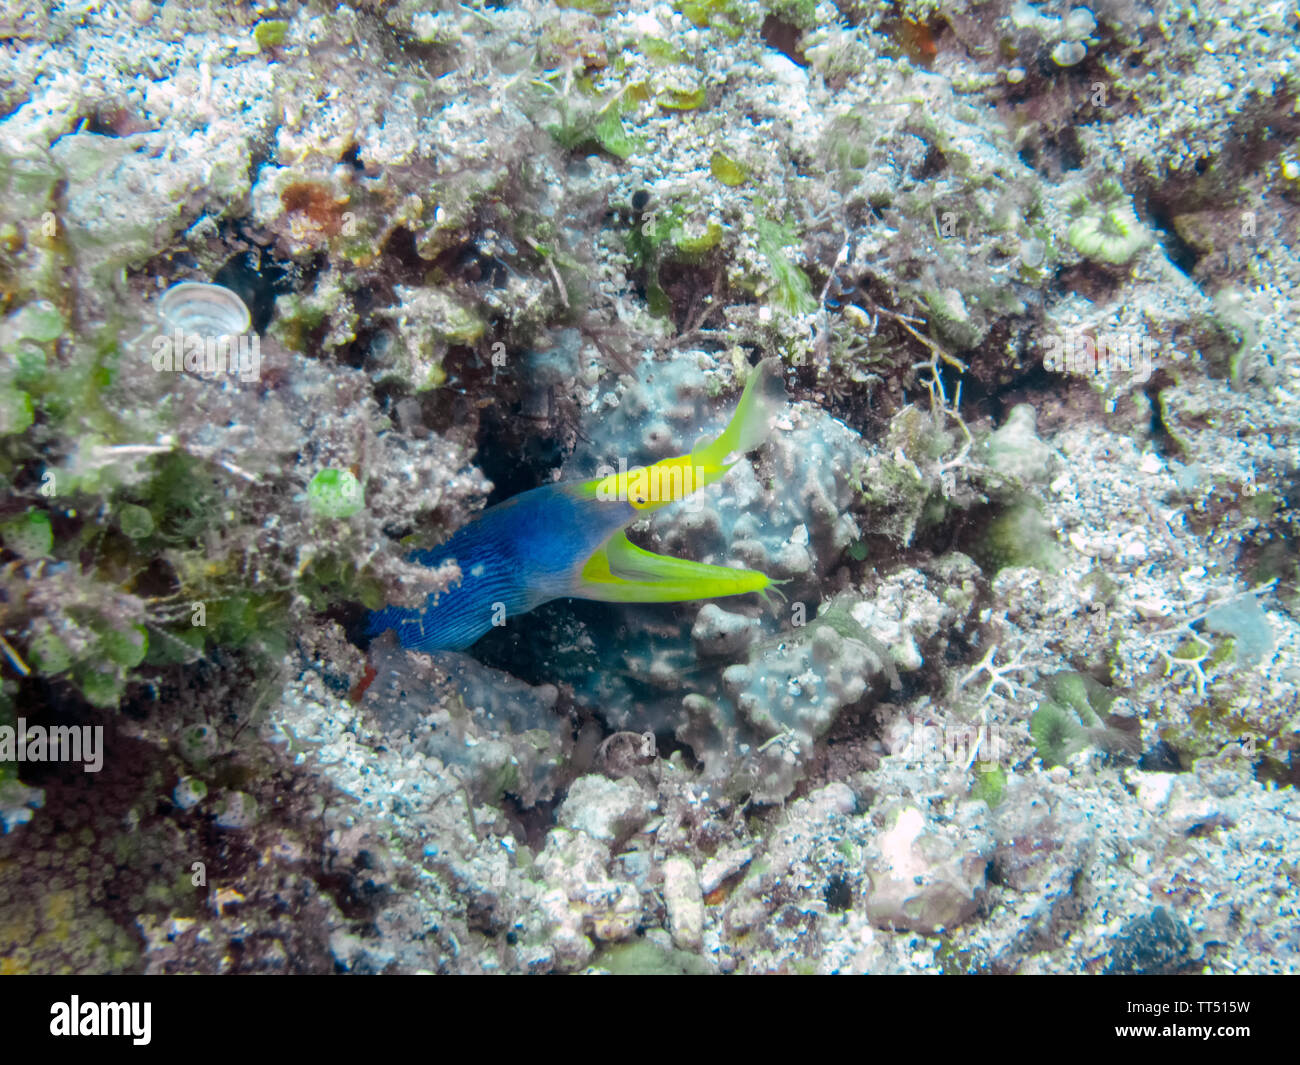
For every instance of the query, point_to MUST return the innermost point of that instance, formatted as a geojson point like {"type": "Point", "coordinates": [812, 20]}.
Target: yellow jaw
{"type": "Point", "coordinates": [619, 571]}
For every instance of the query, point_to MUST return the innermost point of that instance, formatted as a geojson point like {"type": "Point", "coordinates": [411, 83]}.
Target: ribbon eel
{"type": "Point", "coordinates": [567, 540]}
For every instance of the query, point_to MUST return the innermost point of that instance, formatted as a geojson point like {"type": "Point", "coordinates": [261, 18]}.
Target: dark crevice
{"type": "Point", "coordinates": [1180, 253]}
{"type": "Point", "coordinates": [783, 37]}
{"type": "Point", "coordinates": [934, 164]}
{"type": "Point", "coordinates": [1069, 149]}
{"type": "Point", "coordinates": [402, 260]}
{"type": "Point", "coordinates": [352, 157]}
{"type": "Point", "coordinates": [257, 279]}
{"type": "Point", "coordinates": [1161, 437]}
{"type": "Point", "coordinates": [511, 470]}
{"type": "Point", "coordinates": [1095, 282]}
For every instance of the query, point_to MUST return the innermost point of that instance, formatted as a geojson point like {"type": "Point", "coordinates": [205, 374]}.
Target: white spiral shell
{"type": "Point", "coordinates": [204, 310]}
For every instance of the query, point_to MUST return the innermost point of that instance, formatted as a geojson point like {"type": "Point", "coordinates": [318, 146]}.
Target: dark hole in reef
{"type": "Point", "coordinates": [354, 354]}
{"type": "Point", "coordinates": [530, 824]}
{"type": "Point", "coordinates": [999, 402]}
{"type": "Point", "coordinates": [783, 37]}
{"type": "Point", "coordinates": [964, 531]}
{"type": "Point", "coordinates": [513, 465]}
{"type": "Point", "coordinates": [1164, 440]}
{"type": "Point", "coordinates": [545, 645]}
{"type": "Point", "coordinates": [851, 11]}
{"type": "Point", "coordinates": [356, 895]}
{"type": "Point", "coordinates": [156, 580]}
{"type": "Point", "coordinates": [262, 150]}
{"type": "Point", "coordinates": [934, 163]}
{"type": "Point", "coordinates": [352, 157]}
{"type": "Point", "coordinates": [402, 258]}
{"type": "Point", "coordinates": [1095, 282]}
{"type": "Point", "coordinates": [958, 650]}
{"type": "Point", "coordinates": [482, 915]}
{"type": "Point", "coordinates": [353, 619]}
{"type": "Point", "coordinates": [257, 279]}
{"type": "Point", "coordinates": [667, 744]}
{"type": "Point", "coordinates": [806, 376]}
{"type": "Point", "coordinates": [687, 286]}
{"type": "Point", "coordinates": [51, 703]}
{"type": "Point", "coordinates": [466, 262]}
{"type": "Point", "coordinates": [1046, 66]}
{"type": "Point", "coordinates": [1180, 253]}
{"type": "Point", "coordinates": [454, 410]}
{"type": "Point", "coordinates": [1281, 773]}
{"type": "Point", "coordinates": [104, 123]}
{"type": "Point", "coordinates": [838, 894]}
{"type": "Point", "coordinates": [1160, 757]}
{"type": "Point", "coordinates": [579, 644]}
{"type": "Point", "coordinates": [949, 377]}
{"type": "Point", "coordinates": [1069, 149]}
{"type": "Point", "coordinates": [910, 685]}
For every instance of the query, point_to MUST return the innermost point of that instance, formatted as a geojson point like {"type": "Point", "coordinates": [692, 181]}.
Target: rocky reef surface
{"type": "Point", "coordinates": [1030, 703]}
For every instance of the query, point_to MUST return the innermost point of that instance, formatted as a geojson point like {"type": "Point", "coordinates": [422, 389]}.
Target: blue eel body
{"type": "Point", "coordinates": [517, 555]}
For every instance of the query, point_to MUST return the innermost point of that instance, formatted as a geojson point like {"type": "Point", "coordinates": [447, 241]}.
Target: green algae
{"type": "Point", "coordinates": [644, 958]}
{"type": "Point", "coordinates": [662, 52]}
{"type": "Point", "coordinates": [726, 16]}
{"type": "Point", "coordinates": [989, 784]}
{"type": "Point", "coordinates": [1018, 535]}
{"type": "Point", "coordinates": [727, 170]}
{"type": "Point", "coordinates": [28, 535]}
{"type": "Point", "coordinates": [682, 99]}
{"type": "Point", "coordinates": [789, 287]}
{"type": "Point", "coordinates": [270, 34]}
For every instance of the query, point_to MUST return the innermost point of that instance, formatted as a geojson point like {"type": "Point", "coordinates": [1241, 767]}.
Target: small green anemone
{"type": "Point", "coordinates": [1106, 229]}
{"type": "Point", "coordinates": [335, 494]}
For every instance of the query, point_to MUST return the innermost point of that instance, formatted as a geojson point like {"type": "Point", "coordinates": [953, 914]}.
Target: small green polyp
{"type": "Point", "coordinates": [16, 411]}
{"type": "Point", "coordinates": [48, 654]}
{"type": "Point", "coordinates": [1057, 734]}
{"type": "Point", "coordinates": [124, 647]}
{"type": "Point", "coordinates": [1107, 231]}
{"type": "Point", "coordinates": [40, 322]}
{"type": "Point", "coordinates": [29, 535]}
{"type": "Point", "coordinates": [134, 521]}
{"type": "Point", "coordinates": [335, 494]}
